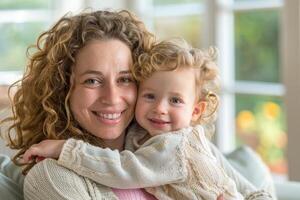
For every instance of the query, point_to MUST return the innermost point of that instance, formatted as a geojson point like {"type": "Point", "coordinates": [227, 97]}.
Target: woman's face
{"type": "Point", "coordinates": [104, 93]}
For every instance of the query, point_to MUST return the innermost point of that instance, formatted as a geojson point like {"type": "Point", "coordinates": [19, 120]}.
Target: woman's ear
{"type": "Point", "coordinates": [199, 109]}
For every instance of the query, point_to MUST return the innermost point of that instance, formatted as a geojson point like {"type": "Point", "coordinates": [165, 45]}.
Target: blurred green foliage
{"type": "Point", "coordinates": [16, 37]}
{"type": "Point", "coordinates": [257, 46]}
{"type": "Point", "coordinates": [24, 4]}
{"type": "Point", "coordinates": [14, 41]}
{"type": "Point", "coordinates": [188, 27]}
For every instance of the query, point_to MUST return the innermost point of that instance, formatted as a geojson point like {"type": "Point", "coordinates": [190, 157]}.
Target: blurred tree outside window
{"type": "Point", "coordinates": [14, 40]}
{"type": "Point", "coordinates": [260, 120]}
{"type": "Point", "coordinates": [187, 27]}
{"type": "Point", "coordinates": [257, 46]}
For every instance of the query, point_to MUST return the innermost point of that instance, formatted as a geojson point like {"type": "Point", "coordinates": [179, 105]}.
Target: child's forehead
{"type": "Point", "coordinates": [184, 76]}
{"type": "Point", "coordinates": [180, 71]}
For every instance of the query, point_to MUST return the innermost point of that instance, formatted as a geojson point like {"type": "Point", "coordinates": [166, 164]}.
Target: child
{"type": "Point", "coordinates": [172, 158]}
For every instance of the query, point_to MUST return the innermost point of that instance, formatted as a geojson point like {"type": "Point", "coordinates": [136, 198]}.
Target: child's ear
{"type": "Point", "coordinates": [199, 109]}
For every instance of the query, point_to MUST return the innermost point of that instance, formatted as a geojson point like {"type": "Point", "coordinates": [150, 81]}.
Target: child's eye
{"type": "Point", "coordinates": [176, 100]}
{"type": "Point", "coordinates": [149, 96]}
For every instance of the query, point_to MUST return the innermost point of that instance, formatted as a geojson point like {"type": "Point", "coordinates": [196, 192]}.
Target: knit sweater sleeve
{"type": "Point", "coordinates": [158, 161]}
{"type": "Point", "coordinates": [49, 181]}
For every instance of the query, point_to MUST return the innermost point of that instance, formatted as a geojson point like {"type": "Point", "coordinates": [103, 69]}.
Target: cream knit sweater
{"type": "Point", "coordinates": [181, 161]}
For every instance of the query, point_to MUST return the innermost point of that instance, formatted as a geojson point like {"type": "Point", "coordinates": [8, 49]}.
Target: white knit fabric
{"type": "Point", "coordinates": [181, 161]}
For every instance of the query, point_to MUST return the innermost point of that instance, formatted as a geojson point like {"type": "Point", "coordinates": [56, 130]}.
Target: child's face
{"type": "Point", "coordinates": [167, 101]}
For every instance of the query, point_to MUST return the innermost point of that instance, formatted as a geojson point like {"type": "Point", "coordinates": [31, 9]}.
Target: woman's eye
{"type": "Point", "coordinates": [92, 82]}
{"type": "Point", "coordinates": [176, 100]}
{"type": "Point", "coordinates": [126, 80]}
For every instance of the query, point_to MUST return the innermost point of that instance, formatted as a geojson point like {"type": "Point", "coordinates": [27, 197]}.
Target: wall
{"type": "Point", "coordinates": [291, 66]}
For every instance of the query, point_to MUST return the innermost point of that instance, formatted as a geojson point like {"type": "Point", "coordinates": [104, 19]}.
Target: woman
{"type": "Point", "coordinates": [78, 84]}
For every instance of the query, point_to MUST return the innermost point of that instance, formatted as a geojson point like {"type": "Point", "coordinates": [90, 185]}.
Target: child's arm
{"type": "Point", "coordinates": [158, 162]}
{"type": "Point", "coordinates": [44, 149]}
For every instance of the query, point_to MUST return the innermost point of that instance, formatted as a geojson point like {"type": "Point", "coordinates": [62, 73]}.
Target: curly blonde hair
{"type": "Point", "coordinates": [41, 102]}
{"type": "Point", "coordinates": [170, 55]}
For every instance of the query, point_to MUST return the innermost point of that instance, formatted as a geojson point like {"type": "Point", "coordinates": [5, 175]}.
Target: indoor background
{"type": "Point", "coordinates": [259, 49]}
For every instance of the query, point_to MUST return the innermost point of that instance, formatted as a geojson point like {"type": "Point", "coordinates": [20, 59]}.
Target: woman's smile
{"type": "Point", "coordinates": [112, 118]}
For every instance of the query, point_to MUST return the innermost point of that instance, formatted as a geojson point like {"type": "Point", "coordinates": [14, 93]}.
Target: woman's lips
{"type": "Point", "coordinates": [111, 118]}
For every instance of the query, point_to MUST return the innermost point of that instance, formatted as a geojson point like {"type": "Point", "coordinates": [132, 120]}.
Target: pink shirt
{"type": "Point", "coordinates": [133, 194]}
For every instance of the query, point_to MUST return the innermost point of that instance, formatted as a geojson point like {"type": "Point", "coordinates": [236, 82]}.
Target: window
{"type": "Point", "coordinates": [260, 113]}
{"type": "Point", "coordinates": [20, 24]}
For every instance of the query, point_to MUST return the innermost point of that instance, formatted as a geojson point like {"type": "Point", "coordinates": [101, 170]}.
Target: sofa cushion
{"type": "Point", "coordinates": [251, 166]}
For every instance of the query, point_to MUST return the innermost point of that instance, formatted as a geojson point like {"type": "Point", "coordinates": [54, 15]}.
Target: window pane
{"type": "Point", "coordinates": [260, 123]}
{"type": "Point", "coordinates": [24, 4]}
{"type": "Point", "coordinates": [14, 40]}
{"type": "Point", "coordinates": [166, 2]}
{"type": "Point", "coordinates": [188, 27]}
{"type": "Point", "coordinates": [257, 46]}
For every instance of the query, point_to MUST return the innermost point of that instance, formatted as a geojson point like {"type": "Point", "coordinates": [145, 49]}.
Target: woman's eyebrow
{"type": "Point", "coordinates": [125, 72]}
{"type": "Point", "coordinates": [100, 73]}
{"type": "Point", "coordinates": [91, 72]}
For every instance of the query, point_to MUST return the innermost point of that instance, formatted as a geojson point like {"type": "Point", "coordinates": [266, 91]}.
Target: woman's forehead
{"type": "Point", "coordinates": [107, 55]}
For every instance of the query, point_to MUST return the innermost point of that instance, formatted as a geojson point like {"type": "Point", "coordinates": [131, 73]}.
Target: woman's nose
{"type": "Point", "coordinates": [110, 95]}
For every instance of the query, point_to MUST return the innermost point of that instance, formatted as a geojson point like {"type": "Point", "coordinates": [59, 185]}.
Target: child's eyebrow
{"type": "Point", "coordinates": [175, 94]}
{"type": "Point", "coordinates": [147, 88]}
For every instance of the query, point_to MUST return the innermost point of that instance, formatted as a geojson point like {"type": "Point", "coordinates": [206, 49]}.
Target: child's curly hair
{"type": "Point", "coordinates": [41, 102]}
{"type": "Point", "coordinates": [170, 55]}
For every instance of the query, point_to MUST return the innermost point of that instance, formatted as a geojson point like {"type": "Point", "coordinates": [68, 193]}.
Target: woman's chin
{"type": "Point", "coordinates": [109, 133]}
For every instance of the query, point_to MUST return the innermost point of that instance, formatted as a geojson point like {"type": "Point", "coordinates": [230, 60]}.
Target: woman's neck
{"type": "Point", "coordinates": [117, 143]}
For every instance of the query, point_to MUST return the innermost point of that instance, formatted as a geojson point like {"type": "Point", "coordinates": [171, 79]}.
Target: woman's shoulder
{"type": "Point", "coordinates": [45, 172]}
{"type": "Point", "coordinates": [48, 180]}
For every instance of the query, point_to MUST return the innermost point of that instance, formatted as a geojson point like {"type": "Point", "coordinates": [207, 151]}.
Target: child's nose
{"type": "Point", "coordinates": [160, 107]}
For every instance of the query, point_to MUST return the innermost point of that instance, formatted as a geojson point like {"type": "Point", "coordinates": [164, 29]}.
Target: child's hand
{"type": "Point", "coordinates": [44, 149]}
{"type": "Point", "coordinates": [221, 197]}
